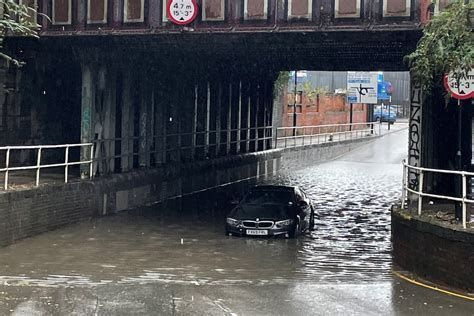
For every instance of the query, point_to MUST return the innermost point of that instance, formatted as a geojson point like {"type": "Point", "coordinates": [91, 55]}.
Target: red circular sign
{"type": "Point", "coordinates": [460, 88]}
{"type": "Point", "coordinates": [182, 12]}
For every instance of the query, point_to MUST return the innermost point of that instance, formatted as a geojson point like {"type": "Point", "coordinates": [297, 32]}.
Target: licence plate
{"type": "Point", "coordinates": [257, 232]}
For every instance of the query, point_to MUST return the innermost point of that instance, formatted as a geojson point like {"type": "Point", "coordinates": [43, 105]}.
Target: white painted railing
{"type": "Point", "coordinates": [420, 173]}
{"type": "Point", "coordinates": [295, 136]}
{"type": "Point", "coordinates": [39, 165]}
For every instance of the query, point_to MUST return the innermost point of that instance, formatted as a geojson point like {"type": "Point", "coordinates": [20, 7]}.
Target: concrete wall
{"type": "Point", "coordinates": [293, 158]}
{"type": "Point", "coordinates": [440, 254]}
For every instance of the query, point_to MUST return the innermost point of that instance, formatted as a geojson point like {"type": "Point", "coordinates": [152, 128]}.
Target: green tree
{"type": "Point", "coordinates": [447, 45]}
{"type": "Point", "coordinates": [16, 19]}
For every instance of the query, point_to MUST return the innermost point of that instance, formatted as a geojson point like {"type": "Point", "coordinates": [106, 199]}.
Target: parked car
{"type": "Point", "coordinates": [271, 210]}
{"type": "Point", "coordinates": [382, 114]}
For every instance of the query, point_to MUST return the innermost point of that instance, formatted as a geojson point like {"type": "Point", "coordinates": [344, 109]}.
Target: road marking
{"type": "Point", "coordinates": [470, 298]}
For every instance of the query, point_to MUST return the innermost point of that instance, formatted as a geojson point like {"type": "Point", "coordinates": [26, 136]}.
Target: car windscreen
{"type": "Point", "coordinates": [274, 211]}
{"type": "Point", "coordinates": [269, 197]}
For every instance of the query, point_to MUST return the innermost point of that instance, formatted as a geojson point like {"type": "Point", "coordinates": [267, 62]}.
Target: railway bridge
{"type": "Point", "coordinates": [177, 109]}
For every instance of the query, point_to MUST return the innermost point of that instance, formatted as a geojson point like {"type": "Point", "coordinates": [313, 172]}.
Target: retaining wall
{"type": "Point", "coordinates": [29, 212]}
{"type": "Point", "coordinates": [443, 255]}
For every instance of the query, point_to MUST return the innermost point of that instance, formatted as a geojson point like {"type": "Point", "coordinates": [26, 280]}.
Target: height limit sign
{"type": "Point", "coordinates": [182, 12]}
{"type": "Point", "coordinates": [362, 87]}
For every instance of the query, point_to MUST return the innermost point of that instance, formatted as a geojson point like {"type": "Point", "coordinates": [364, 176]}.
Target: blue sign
{"type": "Point", "coordinates": [351, 99]}
{"type": "Point", "coordinates": [383, 90]}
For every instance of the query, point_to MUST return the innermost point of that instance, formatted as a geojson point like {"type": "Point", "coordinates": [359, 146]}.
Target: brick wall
{"type": "Point", "coordinates": [440, 254]}
{"type": "Point", "coordinates": [321, 110]}
{"type": "Point", "coordinates": [30, 212]}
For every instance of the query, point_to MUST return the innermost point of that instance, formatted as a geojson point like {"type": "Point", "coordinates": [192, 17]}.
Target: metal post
{"type": "Point", "coordinates": [420, 192]}
{"type": "Point", "coordinates": [7, 164]}
{"type": "Point", "coordinates": [38, 164]}
{"type": "Point", "coordinates": [404, 185]}
{"type": "Point", "coordinates": [350, 117]}
{"type": "Point", "coordinates": [66, 164]}
{"type": "Point", "coordinates": [464, 193]}
{"type": "Point", "coordinates": [389, 106]}
{"type": "Point", "coordinates": [91, 164]}
{"type": "Point", "coordinates": [457, 208]}
{"type": "Point", "coordinates": [294, 104]}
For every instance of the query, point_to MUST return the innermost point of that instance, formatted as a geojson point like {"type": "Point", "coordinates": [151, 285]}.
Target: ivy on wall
{"type": "Point", "coordinates": [447, 45]}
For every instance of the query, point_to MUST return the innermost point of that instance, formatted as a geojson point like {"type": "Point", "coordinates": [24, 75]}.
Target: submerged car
{"type": "Point", "coordinates": [271, 210]}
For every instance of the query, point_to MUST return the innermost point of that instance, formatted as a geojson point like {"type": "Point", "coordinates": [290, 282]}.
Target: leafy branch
{"type": "Point", "coordinates": [447, 45]}
{"type": "Point", "coordinates": [280, 83]}
{"type": "Point", "coordinates": [311, 92]}
{"type": "Point", "coordinates": [16, 19]}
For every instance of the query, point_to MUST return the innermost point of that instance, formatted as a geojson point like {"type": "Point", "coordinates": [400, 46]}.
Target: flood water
{"type": "Point", "coordinates": [155, 261]}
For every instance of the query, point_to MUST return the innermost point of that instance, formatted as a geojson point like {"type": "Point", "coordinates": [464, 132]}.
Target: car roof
{"type": "Point", "coordinates": [273, 187]}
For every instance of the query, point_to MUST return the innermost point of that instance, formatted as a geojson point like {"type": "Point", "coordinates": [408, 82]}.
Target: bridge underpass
{"type": "Point", "coordinates": [149, 99]}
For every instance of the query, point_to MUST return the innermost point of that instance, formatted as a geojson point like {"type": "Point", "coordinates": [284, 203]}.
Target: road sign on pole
{"type": "Point", "coordinates": [461, 88]}
{"type": "Point", "coordinates": [182, 12]}
{"type": "Point", "coordinates": [362, 87]}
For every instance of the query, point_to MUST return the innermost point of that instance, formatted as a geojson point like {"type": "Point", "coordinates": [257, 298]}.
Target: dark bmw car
{"type": "Point", "coordinates": [271, 210]}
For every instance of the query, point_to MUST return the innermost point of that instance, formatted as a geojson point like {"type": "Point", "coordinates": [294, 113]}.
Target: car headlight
{"type": "Point", "coordinates": [284, 223]}
{"type": "Point", "coordinates": [233, 222]}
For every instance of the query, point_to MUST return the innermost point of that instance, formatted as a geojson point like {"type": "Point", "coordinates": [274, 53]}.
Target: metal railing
{"type": "Point", "coordinates": [8, 150]}
{"type": "Point", "coordinates": [317, 134]}
{"type": "Point", "coordinates": [420, 173]}
{"type": "Point", "coordinates": [193, 146]}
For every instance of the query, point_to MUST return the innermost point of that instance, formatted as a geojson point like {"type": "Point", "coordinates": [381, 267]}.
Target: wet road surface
{"type": "Point", "coordinates": [150, 262]}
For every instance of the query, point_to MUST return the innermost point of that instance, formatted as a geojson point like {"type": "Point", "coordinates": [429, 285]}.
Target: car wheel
{"type": "Point", "coordinates": [227, 233]}
{"type": "Point", "coordinates": [311, 220]}
{"type": "Point", "coordinates": [296, 231]}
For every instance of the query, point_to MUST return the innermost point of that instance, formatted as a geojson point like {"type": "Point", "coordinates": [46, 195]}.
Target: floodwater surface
{"type": "Point", "coordinates": [161, 261]}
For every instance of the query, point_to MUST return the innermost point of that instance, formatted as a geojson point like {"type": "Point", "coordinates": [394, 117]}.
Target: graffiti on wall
{"type": "Point", "coordinates": [414, 141]}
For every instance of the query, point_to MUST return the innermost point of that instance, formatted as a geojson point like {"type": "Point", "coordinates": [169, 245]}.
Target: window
{"type": "Point", "coordinates": [61, 13]}
{"type": "Point", "coordinates": [134, 11]}
{"type": "Point", "coordinates": [96, 11]}
{"type": "Point", "coordinates": [255, 9]}
{"type": "Point", "coordinates": [396, 8]}
{"type": "Point", "coordinates": [300, 9]}
{"type": "Point", "coordinates": [32, 4]}
{"type": "Point", "coordinates": [347, 9]}
{"type": "Point", "coordinates": [213, 10]}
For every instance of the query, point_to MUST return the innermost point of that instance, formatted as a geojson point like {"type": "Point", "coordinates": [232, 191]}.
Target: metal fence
{"type": "Point", "coordinates": [182, 146]}
{"type": "Point", "coordinates": [39, 153]}
{"type": "Point", "coordinates": [105, 156]}
{"type": "Point", "coordinates": [317, 134]}
{"type": "Point", "coordinates": [420, 173]}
